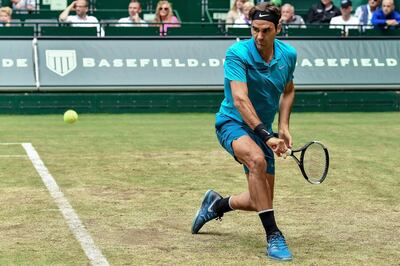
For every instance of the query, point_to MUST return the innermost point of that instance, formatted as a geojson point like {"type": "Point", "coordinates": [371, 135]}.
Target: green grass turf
{"type": "Point", "coordinates": [136, 182]}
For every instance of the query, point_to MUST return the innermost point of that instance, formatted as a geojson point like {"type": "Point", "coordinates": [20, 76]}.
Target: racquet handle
{"type": "Point", "coordinates": [287, 153]}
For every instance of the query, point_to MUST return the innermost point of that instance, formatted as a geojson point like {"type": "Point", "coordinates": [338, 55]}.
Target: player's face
{"type": "Point", "coordinates": [134, 8]}
{"type": "Point", "coordinates": [264, 33]}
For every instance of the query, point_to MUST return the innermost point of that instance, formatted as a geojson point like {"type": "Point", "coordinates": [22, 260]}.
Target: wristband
{"type": "Point", "coordinates": [262, 132]}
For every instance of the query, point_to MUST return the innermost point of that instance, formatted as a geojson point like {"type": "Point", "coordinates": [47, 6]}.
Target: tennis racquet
{"type": "Point", "coordinates": [313, 161]}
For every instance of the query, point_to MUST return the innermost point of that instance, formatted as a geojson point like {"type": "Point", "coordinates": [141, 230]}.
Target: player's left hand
{"type": "Point", "coordinates": [285, 135]}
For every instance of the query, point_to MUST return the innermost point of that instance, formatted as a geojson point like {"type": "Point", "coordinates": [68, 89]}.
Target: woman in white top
{"type": "Point", "coordinates": [244, 21]}
{"type": "Point", "coordinates": [236, 12]}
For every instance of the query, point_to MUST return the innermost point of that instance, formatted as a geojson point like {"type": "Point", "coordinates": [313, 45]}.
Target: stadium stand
{"type": "Point", "coordinates": [200, 19]}
{"type": "Point", "coordinates": [131, 31]}
{"type": "Point", "coordinates": [17, 31]}
{"type": "Point", "coordinates": [197, 30]}
{"type": "Point", "coordinates": [68, 31]}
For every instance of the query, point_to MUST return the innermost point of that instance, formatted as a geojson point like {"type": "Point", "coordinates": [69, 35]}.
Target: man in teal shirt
{"type": "Point", "coordinates": [258, 83]}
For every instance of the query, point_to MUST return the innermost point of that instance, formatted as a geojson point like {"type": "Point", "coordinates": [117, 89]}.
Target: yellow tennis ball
{"type": "Point", "coordinates": [70, 116]}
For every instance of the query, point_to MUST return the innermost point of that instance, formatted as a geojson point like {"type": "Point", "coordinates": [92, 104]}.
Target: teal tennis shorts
{"type": "Point", "coordinates": [229, 130]}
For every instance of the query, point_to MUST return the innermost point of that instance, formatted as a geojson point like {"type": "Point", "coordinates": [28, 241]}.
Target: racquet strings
{"type": "Point", "coordinates": [315, 162]}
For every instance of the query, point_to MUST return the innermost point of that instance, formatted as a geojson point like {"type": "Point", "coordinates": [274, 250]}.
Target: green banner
{"type": "Point", "coordinates": [186, 64]}
{"type": "Point", "coordinates": [340, 64]}
{"type": "Point", "coordinates": [16, 65]}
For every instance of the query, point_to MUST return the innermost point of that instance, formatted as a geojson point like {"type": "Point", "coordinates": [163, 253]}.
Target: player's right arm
{"type": "Point", "coordinates": [243, 104]}
{"type": "Point", "coordinates": [235, 72]}
{"type": "Point", "coordinates": [246, 109]}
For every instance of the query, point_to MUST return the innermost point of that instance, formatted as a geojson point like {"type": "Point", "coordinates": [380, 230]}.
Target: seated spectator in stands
{"type": "Point", "coordinates": [365, 12]}
{"type": "Point", "coordinates": [386, 17]}
{"type": "Point", "coordinates": [23, 6]}
{"type": "Point", "coordinates": [275, 2]}
{"type": "Point", "coordinates": [165, 15]}
{"type": "Point", "coordinates": [235, 13]}
{"type": "Point", "coordinates": [134, 10]}
{"type": "Point", "coordinates": [244, 22]}
{"type": "Point", "coordinates": [289, 19]}
{"type": "Point", "coordinates": [345, 21]}
{"type": "Point", "coordinates": [322, 12]}
{"type": "Point", "coordinates": [81, 19]}
{"type": "Point", "coordinates": [5, 16]}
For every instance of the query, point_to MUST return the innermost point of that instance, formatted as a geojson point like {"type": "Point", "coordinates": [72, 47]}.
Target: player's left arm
{"type": "Point", "coordinates": [285, 109]}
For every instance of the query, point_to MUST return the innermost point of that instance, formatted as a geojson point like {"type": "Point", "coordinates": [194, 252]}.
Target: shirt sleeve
{"type": "Point", "coordinates": [293, 60]}
{"type": "Point", "coordinates": [377, 19]}
{"type": "Point", "coordinates": [234, 67]}
{"type": "Point", "coordinates": [397, 16]}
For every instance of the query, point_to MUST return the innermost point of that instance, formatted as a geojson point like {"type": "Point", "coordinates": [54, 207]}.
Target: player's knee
{"type": "Point", "coordinates": [257, 163]}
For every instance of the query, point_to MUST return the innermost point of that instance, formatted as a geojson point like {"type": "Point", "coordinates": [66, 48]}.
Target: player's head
{"type": "Point", "coordinates": [134, 8]}
{"type": "Point", "coordinates": [387, 6]}
{"type": "Point", "coordinates": [265, 23]}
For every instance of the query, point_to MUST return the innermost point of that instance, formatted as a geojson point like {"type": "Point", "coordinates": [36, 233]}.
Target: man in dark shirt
{"type": "Point", "coordinates": [322, 12]}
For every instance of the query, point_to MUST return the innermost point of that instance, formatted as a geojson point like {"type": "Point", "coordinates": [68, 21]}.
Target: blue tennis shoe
{"type": "Point", "coordinates": [277, 248]}
{"type": "Point", "coordinates": [206, 212]}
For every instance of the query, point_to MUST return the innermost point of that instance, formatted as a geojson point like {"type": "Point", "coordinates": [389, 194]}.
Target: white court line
{"type": "Point", "coordinates": [81, 234]}
{"type": "Point", "coordinates": [11, 143]}
{"type": "Point", "coordinates": [12, 156]}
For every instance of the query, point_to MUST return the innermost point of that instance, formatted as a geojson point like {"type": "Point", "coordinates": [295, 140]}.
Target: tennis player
{"type": "Point", "coordinates": [258, 82]}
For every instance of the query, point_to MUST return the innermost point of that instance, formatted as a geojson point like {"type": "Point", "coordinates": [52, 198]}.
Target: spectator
{"type": "Point", "coordinates": [165, 15]}
{"type": "Point", "coordinates": [365, 12]}
{"type": "Point", "coordinates": [5, 16]}
{"type": "Point", "coordinates": [275, 2]}
{"type": "Point", "coordinates": [134, 10]}
{"type": "Point", "coordinates": [386, 17]}
{"type": "Point", "coordinates": [23, 6]}
{"type": "Point", "coordinates": [346, 21]}
{"type": "Point", "coordinates": [244, 22]}
{"type": "Point", "coordinates": [289, 18]}
{"type": "Point", "coordinates": [322, 12]}
{"type": "Point", "coordinates": [81, 19]}
{"type": "Point", "coordinates": [236, 12]}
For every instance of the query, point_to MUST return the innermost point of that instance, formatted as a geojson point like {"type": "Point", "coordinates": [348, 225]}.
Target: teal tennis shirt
{"type": "Point", "coordinates": [265, 82]}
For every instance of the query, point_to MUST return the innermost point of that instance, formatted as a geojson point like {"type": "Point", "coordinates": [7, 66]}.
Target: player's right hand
{"type": "Point", "coordinates": [277, 145]}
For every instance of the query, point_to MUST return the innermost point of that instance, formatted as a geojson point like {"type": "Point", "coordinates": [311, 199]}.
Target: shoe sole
{"type": "Point", "coordinates": [284, 259]}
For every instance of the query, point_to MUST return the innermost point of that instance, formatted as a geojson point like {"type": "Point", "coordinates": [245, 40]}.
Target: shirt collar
{"type": "Point", "coordinates": [257, 57]}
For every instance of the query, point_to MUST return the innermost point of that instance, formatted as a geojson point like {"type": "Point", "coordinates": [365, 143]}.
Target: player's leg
{"type": "Point", "coordinates": [243, 201]}
{"type": "Point", "coordinates": [251, 155]}
{"type": "Point", "coordinates": [262, 181]}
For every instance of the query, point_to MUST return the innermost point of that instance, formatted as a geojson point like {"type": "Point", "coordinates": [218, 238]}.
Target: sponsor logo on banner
{"type": "Point", "coordinates": [61, 62]}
